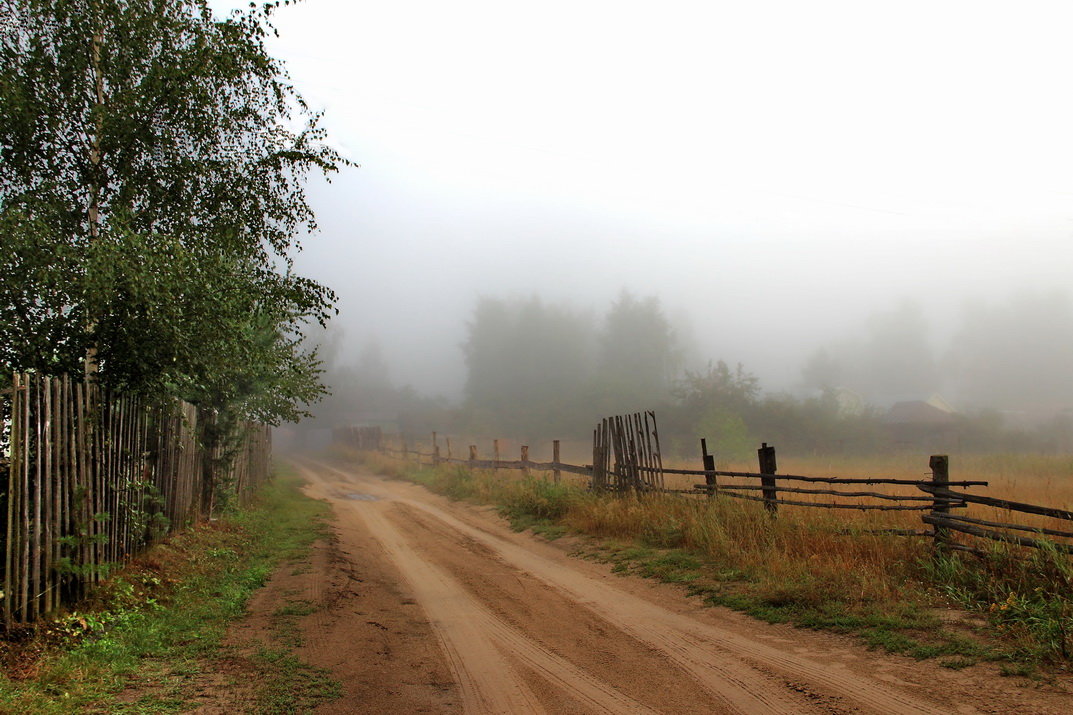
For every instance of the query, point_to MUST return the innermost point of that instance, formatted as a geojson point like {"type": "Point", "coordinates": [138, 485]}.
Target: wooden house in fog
{"type": "Point", "coordinates": [923, 424]}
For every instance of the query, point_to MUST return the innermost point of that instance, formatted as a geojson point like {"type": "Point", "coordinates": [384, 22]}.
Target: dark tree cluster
{"type": "Point", "coordinates": [152, 167]}
{"type": "Point", "coordinates": [537, 369]}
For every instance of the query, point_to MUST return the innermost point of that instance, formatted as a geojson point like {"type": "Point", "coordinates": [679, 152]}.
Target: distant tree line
{"type": "Point", "coordinates": [538, 370]}
{"type": "Point", "coordinates": [1011, 355]}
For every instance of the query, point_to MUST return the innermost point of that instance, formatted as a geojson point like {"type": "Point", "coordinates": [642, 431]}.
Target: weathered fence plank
{"type": "Point", "coordinates": [708, 460]}
{"type": "Point", "coordinates": [1015, 527]}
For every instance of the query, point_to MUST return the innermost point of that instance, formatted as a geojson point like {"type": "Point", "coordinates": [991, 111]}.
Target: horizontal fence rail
{"type": "Point", "coordinates": [1014, 527]}
{"type": "Point", "coordinates": [830, 480]}
{"type": "Point", "coordinates": [1001, 503]}
{"type": "Point", "coordinates": [954, 524]}
{"type": "Point", "coordinates": [90, 478]}
{"type": "Point", "coordinates": [774, 502]}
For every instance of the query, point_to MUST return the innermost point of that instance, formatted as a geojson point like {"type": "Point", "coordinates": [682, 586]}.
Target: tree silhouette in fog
{"type": "Point", "coordinates": [527, 366]}
{"type": "Point", "coordinates": [638, 355]}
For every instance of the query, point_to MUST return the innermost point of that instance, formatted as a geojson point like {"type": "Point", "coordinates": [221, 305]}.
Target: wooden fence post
{"type": "Point", "coordinates": [556, 475]}
{"type": "Point", "coordinates": [768, 466]}
{"type": "Point", "coordinates": [709, 468]}
{"type": "Point", "coordinates": [449, 455]}
{"type": "Point", "coordinates": [940, 479]}
{"type": "Point", "coordinates": [495, 456]}
{"type": "Point", "coordinates": [525, 459]}
{"type": "Point", "coordinates": [472, 454]}
{"type": "Point", "coordinates": [12, 496]}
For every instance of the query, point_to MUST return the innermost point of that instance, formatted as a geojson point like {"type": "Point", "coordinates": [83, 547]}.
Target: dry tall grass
{"type": "Point", "coordinates": [816, 553]}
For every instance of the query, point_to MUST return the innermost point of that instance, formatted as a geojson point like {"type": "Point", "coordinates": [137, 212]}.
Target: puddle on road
{"type": "Point", "coordinates": [360, 497]}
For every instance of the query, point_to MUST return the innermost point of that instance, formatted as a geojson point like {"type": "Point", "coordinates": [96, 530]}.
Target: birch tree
{"type": "Point", "coordinates": [153, 160]}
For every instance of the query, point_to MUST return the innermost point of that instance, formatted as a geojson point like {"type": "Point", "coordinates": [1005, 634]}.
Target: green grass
{"type": "Point", "coordinates": [289, 685]}
{"type": "Point", "coordinates": [158, 624]}
{"type": "Point", "coordinates": [1029, 598]}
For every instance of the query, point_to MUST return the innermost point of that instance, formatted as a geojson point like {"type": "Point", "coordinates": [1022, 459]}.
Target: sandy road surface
{"type": "Point", "coordinates": [524, 628]}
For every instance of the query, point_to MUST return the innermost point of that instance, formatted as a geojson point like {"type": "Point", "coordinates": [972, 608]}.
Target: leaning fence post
{"type": "Point", "coordinates": [435, 450]}
{"type": "Point", "coordinates": [709, 468]}
{"type": "Point", "coordinates": [556, 475]}
{"type": "Point", "coordinates": [525, 459]}
{"type": "Point", "coordinates": [766, 456]}
{"type": "Point", "coordinates": [940, 479]}
{"type": "Point", "coordinates": [472, 454]}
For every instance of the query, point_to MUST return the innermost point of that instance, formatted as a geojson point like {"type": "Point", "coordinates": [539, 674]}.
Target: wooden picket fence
{"type": "Point", "coordinates": [90, 478]}
{"type": "Point", "coordinates": [358, 437]}
{"type": "Point", "coordinates": [632, 441]}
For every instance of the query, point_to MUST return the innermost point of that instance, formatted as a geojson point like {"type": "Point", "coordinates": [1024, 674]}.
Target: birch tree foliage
{"type": "Point", "coordinates": [153, 159]}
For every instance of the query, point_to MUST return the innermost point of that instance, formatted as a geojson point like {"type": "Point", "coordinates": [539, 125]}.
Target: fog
{"type": "Point", "coordinates": [409, 277]}
{"type": "Point", "coordinates": [886, 188]}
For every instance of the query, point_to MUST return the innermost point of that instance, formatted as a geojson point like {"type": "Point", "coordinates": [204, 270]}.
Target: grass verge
{"type": "Point", "coordinates": [156, 628]}
{"type": "Point", "coordinates": [805, 568]}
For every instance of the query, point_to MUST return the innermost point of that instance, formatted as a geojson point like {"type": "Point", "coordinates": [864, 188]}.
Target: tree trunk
{"type": "Point", "coordinates": [93, 211]}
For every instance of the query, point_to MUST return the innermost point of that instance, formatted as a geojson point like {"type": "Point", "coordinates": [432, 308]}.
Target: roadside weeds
{"type": "Point", "coordinates": [154, 632]}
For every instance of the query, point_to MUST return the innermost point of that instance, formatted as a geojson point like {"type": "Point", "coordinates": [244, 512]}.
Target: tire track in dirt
{"type": "Point", "coordinates": [479, 645]}
{"type": "Point", "coordinates": [739, 673]}
{"type": "Point", "coordinates": [546, 615]}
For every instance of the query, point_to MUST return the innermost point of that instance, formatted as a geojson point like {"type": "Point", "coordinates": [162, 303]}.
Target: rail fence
{"type": "Point", "coordinates": [626, 458]}
{"type": "Point", "coordinates": [89, 479]}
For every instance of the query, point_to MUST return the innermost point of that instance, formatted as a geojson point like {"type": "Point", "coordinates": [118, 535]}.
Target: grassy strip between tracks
{"type": "Point", "coordinates": [803, 568]}
{"type": "Point", "coordinates": [152, 638]}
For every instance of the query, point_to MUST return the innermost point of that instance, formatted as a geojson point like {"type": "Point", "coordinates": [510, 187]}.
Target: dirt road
{"type": "Point", "coordinates": [447, 610]}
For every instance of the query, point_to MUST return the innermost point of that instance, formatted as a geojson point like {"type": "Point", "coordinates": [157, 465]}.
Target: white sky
{"type": "Point", "coordinates": [775, 170]}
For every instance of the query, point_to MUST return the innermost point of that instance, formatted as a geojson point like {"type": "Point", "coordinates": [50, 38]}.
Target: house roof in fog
{"type": "Point", "coordinates": [939, 403]}
{"type": "Point", "coordinates": [934, 411]}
